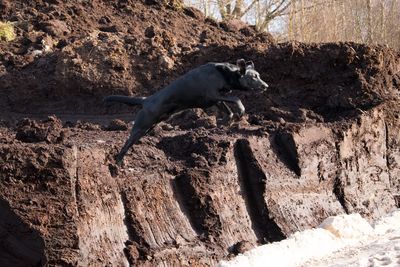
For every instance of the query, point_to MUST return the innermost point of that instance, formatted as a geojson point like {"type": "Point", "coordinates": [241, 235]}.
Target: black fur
{"type": "Point", "coordinates": [199, 88]}
{"type": "Point", "coordinates": [231, 76]}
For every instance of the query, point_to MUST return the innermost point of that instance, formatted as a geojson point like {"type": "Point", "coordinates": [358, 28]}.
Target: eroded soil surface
{"type": "Point", "coordinates": [323, 140]}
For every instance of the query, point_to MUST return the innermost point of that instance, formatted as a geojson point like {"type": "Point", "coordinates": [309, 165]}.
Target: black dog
{"type": "Point", "coordinates": [199, 88]}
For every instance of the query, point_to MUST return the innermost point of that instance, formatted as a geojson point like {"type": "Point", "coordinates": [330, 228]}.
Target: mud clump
{"type": "Point", "coordinates": [49, 131]}
{"type": "Point", "coordinates": [193, 119]}
{"type": "Point", "coordinates": [240, 247]}
{"type": "Point", "coordinates": [117, 125]}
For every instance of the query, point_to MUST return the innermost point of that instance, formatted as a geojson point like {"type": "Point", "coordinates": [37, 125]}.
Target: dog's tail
{"type": "Point", "coordinates": [129, 100]}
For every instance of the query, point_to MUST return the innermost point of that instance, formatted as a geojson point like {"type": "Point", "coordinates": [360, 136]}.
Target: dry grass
{"type": "Point", "coordinates": [7, 32]}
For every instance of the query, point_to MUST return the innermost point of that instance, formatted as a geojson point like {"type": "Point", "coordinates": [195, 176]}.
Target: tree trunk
{"type": "Point", "coordinates": [369, 22]}
{"type": "Point", "coordinates": [302, 20]}
{"type": "Point", "coordinates": [382, 22]}
{"type": "Point", "coordinates": [291, 30]}
{"type": "Point", "coordinates": [237, 11]}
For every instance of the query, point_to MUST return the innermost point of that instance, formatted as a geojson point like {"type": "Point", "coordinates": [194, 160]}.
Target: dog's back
{"type": "Point", "coordinates": [193, 89]}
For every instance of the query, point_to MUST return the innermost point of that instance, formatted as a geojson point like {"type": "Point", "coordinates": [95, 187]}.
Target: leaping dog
{"type": "Point", "coordinates": [199, 88]}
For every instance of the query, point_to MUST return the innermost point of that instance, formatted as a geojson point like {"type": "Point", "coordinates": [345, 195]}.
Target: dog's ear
{"type": "Point", "coordinates": [250, 65]}
{"type": "Point", "coordinates": [242, 66]}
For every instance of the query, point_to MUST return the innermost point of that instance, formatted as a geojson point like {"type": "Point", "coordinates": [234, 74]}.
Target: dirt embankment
{"type": "Point", "coordinates": [323, 140]}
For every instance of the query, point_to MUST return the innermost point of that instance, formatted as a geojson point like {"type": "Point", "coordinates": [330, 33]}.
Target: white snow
{"type": "Point", "coordinates": [347, 226]}
{"type": "Point", "coordinates": [343, 240]}
{"type": "Point", "coordinates": [388, 223]}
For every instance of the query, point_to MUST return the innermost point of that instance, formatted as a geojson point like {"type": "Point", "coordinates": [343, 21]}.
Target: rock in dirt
{"type": "Point", "coordinates": [111, 28]}
{"type": "Point", "coordinates": [57, 28]}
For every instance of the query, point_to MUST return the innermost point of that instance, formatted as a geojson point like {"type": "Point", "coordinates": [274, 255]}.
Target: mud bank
{"type": "Point", "coordinates": [192, 196]}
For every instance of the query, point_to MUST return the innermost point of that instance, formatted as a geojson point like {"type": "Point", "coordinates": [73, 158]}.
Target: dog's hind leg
{"type": "Point", "coordinates": [143, 123]}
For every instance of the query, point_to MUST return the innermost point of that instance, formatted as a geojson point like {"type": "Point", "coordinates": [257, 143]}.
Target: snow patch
{"type": "Point", "coordinates": [388, 223]}
{"type": "Point", "coordinates": [347, 226]}
{"type": "Point", "coordinates": [343, 240]}
{"type": "Point", "coordinates": [300, 246]}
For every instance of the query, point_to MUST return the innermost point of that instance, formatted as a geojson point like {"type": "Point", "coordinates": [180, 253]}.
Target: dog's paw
{"type": "Point", "coordinates": [237, 117]}
{"type": "Point", "coordinates": [119, 160]}
{"type": "Point", "coordinates": [113, 168]}
{"type": "Point", "coordinates": [225, 122]}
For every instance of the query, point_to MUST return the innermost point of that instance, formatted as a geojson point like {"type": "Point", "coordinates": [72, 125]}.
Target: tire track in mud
{"type": "Point", "coordinates": [193, 198]}
{"type": "Point", "coordinates": [252, 183]}
{"type": "Point", "coordinates": [75, 179]}
{"type": "Point", "coordinates": [135, 239]}
{"type": "Point", "coordinates": [99, 205]}
{"type": "Point", "coordinates": [191, 187]}
{"type": "Point", "coordinates": [338, 188]}
{"type": "Point", "coordinates": [286, 151]}
{"type": "Point", "coordinates": [189, 202]}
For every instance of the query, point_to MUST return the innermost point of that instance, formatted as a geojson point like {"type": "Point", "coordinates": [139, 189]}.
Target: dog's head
{"type": "Point", "coordinates": [249, 77]}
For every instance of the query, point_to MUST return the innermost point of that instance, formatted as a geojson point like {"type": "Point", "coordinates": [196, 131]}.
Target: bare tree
{"type": "Point", "coordinates": [234, 9]}
{"type": "Point", "coordinates": [269, 10]}
{"type": "Point", "coordinates": [262, 11]}
{"type": "Point", "coordinates": [364, 21]}
{"type": "Point", "coordinates": [369, 21]}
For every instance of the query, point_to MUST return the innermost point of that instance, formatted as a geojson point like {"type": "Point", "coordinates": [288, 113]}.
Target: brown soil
{"type": "Point", "coordinates": [323, 140]}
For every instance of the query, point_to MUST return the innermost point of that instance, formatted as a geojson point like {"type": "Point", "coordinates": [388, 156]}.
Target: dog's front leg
{"type": "Point", "coordinates": [133, 138]}
{"type": "Point", "coordinates": [226, 109]}
{"type": "Point", "coordinates": [226, 112]}
{"type": "Point", "coordinates": [235, 100]}
{"type": "Point", "coordinates": [144, 122]}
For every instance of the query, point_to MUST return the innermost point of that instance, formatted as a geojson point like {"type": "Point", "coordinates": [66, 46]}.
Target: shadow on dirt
{"type": "Point", "coordinates": [20, 245]}
{"type": "Point", "coordinates": [195, 149]}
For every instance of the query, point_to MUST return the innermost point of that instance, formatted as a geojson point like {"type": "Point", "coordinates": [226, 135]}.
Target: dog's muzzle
{"type": "Point", "coordinates": [264, 87]}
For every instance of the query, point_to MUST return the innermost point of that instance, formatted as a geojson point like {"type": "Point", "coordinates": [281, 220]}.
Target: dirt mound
{"type": "Point", "coordinates": [67, 61]}
{"type": "Point", "coordinates": [322, 140]}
